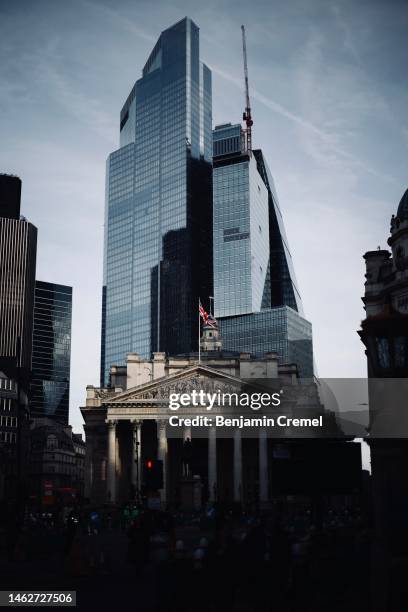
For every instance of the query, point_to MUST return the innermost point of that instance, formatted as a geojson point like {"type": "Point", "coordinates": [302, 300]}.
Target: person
{"type": "Point", "coordinates": [226, 573]}
{"type": "Point", "coordinates": [199, 581]}
{"type": "Point", "coordinates": [14, 524]}
{"type": "Point", "coordinates": [94, 523]}
{"type": "Point", "coordinates": [139, 542]}
{"type": "Point", "coordinates": [174, 581]}
{"type": "Point", "coordinates": [71, 529]}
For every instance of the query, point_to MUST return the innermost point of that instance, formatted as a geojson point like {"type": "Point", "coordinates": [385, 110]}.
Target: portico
{"type": "Point", "coordinates": [126, 426]}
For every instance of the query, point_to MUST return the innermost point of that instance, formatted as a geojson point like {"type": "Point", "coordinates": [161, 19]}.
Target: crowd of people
{"type": "Point", "coordinates": [222, 560]}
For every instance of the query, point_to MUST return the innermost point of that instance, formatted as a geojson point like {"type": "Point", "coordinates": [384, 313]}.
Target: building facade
{"type": "Point", "coordinates": [257, 301]}
{"type": "Point", "coordinates": [51, 351]}
{"type": "Point", "coordinates": [14, 431]}
{"type": "Point", "coordinates": [241, 229]}
{"type": "Point", "coordinates": [57, 461]}
{"type": "Point", "coordinates": [384, 332]}
{"type": "Point", "coordinates": [158, 210]}
{"type": "Point", "coordinates": [281, 330]}
{"type": "Point", "coordinates": [128, 425]}
{"type": "Point", "coordinates": [10, 196]}
{"type": "Point", "coordinates": [18, 252]}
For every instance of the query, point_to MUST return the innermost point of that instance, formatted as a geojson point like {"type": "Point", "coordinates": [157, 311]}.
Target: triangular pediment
{"type": "Point", "coordinates": [191, 378]}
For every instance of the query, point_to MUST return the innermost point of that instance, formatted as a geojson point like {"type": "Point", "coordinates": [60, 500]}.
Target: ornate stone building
{"type": "Point", "coordinates": [384, 333]}
{"type": "Point", "coordinates": [127, 425]}
{"type": "Point", "coordinates": [57, 457]}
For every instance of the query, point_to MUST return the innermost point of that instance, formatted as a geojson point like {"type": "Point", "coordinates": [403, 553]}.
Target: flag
{"type": "Point", "coordinates": [203, 313]}
{"type": "Point", "coordinates": [208, 319]}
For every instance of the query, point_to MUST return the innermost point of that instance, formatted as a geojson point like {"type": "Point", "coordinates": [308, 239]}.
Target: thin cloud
{"type": "Point", "coordinates": [84, 108]}
{"type": "Point", "coordinates": [304, 123]}
{"type": "Point", "coordinates": [348, 41]}
{"type": "Point", "coordinates": [124, 22]}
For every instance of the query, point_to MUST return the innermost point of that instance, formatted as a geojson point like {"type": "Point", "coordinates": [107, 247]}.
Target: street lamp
{"type": "Point", "coordinates": [136, 459]}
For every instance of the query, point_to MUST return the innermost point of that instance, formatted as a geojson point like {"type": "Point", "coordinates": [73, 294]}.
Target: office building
{"type": "Point", "coordinates": [252, 262]}
{"type": "Point", "coordinates": [257, 301]}
{"type": "Point", "coordinates": [18, 251]}
{"type": "Point", "coordinates": [158, 219]}
{"type": "Point", "coordinates": [10, 196]}
{"type": "Point", "coordinates": [281, 330]}
{"type": "Point", "coordinates": [51, 351]}
{"type": "Point", "coordinates": [14, 429]}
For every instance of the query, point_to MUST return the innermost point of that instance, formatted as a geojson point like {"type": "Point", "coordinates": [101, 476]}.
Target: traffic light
{"type": "Point", "coordinates": [153, 474]}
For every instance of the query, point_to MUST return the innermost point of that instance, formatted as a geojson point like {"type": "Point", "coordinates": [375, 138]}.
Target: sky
{"type": "Point", "coordinates": [328, 84]}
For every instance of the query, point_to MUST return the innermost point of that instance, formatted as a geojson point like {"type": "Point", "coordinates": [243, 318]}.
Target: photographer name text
{"type": "Point", "coordinates": [240, 422]}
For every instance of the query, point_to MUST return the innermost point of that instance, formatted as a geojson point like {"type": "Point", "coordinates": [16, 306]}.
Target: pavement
{"type": "Point", "coordinates": [98, 570]}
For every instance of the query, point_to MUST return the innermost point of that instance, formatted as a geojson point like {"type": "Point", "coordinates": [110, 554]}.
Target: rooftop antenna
{"type": "Point", "coordinates": [247, 114]}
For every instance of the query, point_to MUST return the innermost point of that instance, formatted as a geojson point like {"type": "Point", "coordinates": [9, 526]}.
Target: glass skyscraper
{"type": "Point", "coordinates": [158, 210]}
{"type": "Point", "coordinates": [51, 351]}
{"type": "Point", "coordinates": [241, 237]}
{"type": "Point", "coordinates": [256, 298]}
{"type": "Point", "coordinates": [281, 330]}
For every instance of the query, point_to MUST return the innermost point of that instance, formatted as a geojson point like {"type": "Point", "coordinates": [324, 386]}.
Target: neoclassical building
{"type": "Point", "coordinates": [384, 333]}
{"type": "Point", "coordinates": [127, 424]}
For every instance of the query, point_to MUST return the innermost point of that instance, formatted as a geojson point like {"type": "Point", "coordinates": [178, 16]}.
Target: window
{"type": "Point", "coordinates": [400, 352]}
{"type": "Point", "coordinates": [383, 352]}
{"type": "Point", "coordinates": [52, 442]}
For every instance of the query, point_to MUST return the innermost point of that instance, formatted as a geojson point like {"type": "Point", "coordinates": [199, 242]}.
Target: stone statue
{"type": "Point", "coordinates": [187, 457]}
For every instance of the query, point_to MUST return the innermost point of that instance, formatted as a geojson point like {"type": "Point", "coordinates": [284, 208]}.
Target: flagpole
{"type": "Point", "coordinates": [199, 335]}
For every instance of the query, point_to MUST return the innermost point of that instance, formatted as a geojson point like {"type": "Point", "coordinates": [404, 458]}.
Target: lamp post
{"type": "Point", "coordinates": [137, 472]}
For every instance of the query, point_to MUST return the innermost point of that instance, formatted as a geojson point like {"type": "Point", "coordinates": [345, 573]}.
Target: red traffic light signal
{"type": "Point", "coordinates": [153, 474]}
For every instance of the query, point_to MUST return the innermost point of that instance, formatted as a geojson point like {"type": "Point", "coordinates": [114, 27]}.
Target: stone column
{"type": "Point", "coordinates": [136, 467]}
{"type": "Point", "coordinates": [89, 447]}
{"type": "Point", "coordinates": [111, 472]}
{"type": "Point", "coordinates": [162, 455]}
{"type": "Point", "coordinates": [263, 466]}
{"type": "Point", "coordinates": [212, 463]}
{"type": "Point", "coordinates": [237, 466]}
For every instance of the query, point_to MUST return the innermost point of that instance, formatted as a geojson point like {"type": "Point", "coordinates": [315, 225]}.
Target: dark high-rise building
{"type": "Point", "coordinates": [18, 252]}
{"type": "Point", "coordinates": [10, 196]}
{"type": "Point", "coordinates": [158, 234]}
{"type": "Point", "coordinates": [256, 298]}
{"type": "Point", "coordinates": [51, 351]}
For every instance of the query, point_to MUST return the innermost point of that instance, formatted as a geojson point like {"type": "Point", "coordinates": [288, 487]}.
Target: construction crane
{"type": "Point", "coordinates": [247, 114]}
